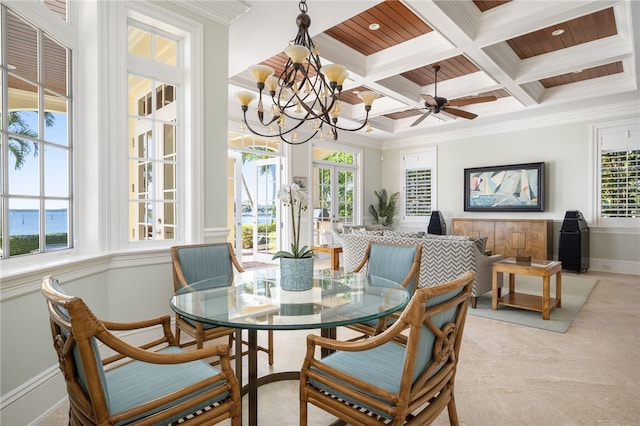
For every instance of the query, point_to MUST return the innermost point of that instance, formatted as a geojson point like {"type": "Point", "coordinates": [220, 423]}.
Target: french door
{"type": "Point", "coordinates": [334, 192]}
{"type": "Point", "coordinates": [265, 186]}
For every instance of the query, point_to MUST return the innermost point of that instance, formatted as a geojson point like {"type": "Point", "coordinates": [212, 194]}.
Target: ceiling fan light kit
{"type": "Point", "coordinates": [435, 104]}
{"type": "Point", "coordinates": [305, 92]}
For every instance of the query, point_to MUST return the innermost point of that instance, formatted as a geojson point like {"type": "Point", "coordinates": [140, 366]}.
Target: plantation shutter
{"type": "Point", "coordinates": [418, 185]}
{"type": "Point", "coordinates": [620, 172]}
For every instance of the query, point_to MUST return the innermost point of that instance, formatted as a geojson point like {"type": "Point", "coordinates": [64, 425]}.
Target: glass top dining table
{"type": "Point", "coordinates": [253, 300]}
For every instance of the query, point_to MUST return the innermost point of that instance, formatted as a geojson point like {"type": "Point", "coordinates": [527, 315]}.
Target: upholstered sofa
{"type": "Point", "coordinates": [444, 257]}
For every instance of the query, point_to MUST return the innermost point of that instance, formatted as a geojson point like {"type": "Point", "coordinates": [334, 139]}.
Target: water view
{"type": "Point", "coordinates": [262, 220]}
{"type": "Point", "coordinates": [25, 222]}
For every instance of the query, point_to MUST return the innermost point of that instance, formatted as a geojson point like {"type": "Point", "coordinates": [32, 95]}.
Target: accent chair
{"type": "Point", "coordinates": [395, 262]}
{"type": "Point", "coordinates": [196, 262]}
{"type": "Point", "coordinates": [403, 376]}
{"type": "Point", "coordinates": [156, 383]}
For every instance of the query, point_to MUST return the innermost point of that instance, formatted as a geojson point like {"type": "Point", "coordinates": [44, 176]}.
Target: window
{"type": "Point", "coordinates": [59, 7]}
{"type": "Point", "coordinates": [419, 185]}
{"type": "Point", "coordinates": [36, 143]}
{"type": "Point", "coordinates": [153, 147]}
{"type": "Point", "coordinates": [618, 156]}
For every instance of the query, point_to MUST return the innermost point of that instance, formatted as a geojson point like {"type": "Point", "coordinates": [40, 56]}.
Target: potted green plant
{"type": "Point", "coordinates": [384, 211]}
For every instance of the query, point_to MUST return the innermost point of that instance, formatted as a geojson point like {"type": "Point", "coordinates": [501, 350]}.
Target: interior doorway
{"type": "Point", "coordinates": [253, 204]}
{"type": "Point", "coordinates": [265, 211]}
{"type": "Point", "coordinates": [335, 190]}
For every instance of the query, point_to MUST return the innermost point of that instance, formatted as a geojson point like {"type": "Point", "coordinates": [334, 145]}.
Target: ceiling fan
{"type": "Point", "coordinates": [434, 104]}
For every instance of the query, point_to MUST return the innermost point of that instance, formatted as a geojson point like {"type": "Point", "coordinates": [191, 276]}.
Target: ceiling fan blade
{"type": "Point", "coordinates": [429, 99]}
{"type": "Point", "coordinates": [459, 113]}
{"type": "Point", "coordinates": [422, 117]}
{"type": "Point", "coordinates": [469, 101]}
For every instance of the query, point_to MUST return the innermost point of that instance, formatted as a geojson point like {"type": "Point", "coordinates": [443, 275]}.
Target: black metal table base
{"type": "Point", "coordinates": [254, 382]}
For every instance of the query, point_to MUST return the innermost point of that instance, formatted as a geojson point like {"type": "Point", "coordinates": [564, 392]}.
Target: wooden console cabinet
{"type": "Point", "coordinates": [510, 237]}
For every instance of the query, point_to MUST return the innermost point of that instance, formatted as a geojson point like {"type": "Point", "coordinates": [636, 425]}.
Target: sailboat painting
{"type": "Point", "coordinates": [516, 187]}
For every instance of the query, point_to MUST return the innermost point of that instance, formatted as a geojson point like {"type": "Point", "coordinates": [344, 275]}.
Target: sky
{"type": "Point", "coordinates": [24, 181]}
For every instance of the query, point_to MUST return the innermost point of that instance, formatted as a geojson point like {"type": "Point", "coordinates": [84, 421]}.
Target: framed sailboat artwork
{"type": "Point", "coordinates": [511, 188]}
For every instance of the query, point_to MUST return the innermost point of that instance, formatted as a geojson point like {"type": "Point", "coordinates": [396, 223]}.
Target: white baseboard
{"type": "Point", "coordinates": [30, 403]}
{"type": "Point", "coordinates": [42, 417]}
{"type": "Point", "coordinates": [615, 266]}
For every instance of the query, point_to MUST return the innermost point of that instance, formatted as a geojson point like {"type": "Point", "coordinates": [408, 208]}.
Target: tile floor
{"type": "Point", "coordinates": [510, 374]}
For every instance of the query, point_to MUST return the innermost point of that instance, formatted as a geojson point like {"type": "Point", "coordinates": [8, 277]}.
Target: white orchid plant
{"type": "Point", "coordinates": [298, 200]}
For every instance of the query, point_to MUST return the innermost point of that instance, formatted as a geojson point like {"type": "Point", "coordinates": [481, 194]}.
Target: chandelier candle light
{"type": "Point", "coordinates": [305, 92]}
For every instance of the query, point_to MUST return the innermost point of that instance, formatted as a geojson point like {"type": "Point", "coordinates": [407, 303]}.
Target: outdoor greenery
{"type": "Point", "coordinates": [345, 193]}
{"type": "Point", "coordinates": [247, 233]}
{"type": "Point", "coordinates": [21, 148]}
{"type": "Point", "coordinates": [345, 186]}
{"type": "Point", "coordinates": [23, 244]}
{"type": "Point", "coordinates": [253, 156]}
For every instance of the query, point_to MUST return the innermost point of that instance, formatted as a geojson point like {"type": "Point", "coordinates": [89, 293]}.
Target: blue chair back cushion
{"type": "Point", "coordinates": [202, 262]}
{"type": "Point", "coordinates": [427, 338]}
{"type": "Point", "coordinates": [391, 262]}
{"type": "Point", "coordinates": [77, 360]}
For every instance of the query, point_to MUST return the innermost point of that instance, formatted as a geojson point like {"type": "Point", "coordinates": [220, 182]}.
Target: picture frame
{"type": "Point", "coordinates": [509, 188]}
{"type": "Point", "coordinates": [301, 181]}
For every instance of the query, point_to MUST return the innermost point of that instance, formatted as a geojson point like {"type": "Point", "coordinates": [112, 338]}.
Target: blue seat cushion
{"type": "Point", "coordinates": [381, 366]}
{"type": "Point", "coordinates": [139, 382]}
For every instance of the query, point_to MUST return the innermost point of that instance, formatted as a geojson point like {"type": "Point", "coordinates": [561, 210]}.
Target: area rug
{"type": "Point", "coordinates": [575, 292]}
{"type": "Point", "coordinates": [257, 265]}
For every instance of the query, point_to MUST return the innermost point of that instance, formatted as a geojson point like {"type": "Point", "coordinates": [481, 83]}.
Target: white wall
{"type": "Point", "coordinates": [126, 287]}
{"type": "Point", "coordinates": [568, 152]}
{"type": "Point", "coordinates": [565, 150]}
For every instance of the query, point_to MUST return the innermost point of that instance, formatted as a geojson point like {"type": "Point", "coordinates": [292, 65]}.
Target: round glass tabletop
{"type": "Point", "coordinates": [254, 300]}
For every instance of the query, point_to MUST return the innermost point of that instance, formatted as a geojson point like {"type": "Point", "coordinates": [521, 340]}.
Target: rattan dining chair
{"type": "Point", "coordinates": [156, 383]}
{"type": "Point", "coordinates": [196, 262]}
{"type": "Point", "coordinates": [395, 262]}
{"type": "Point", "coordinates": [381, 380]}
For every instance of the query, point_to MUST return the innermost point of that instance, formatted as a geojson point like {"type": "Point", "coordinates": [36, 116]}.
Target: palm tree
{"type": "Point", "coordinates": [248, 157]}
{"type": "Point", "coordinates": [19, 147]}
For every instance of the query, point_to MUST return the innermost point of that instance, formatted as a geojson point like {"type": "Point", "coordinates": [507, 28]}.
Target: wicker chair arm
{"type": "Point", "coordinates": [163, 321]}
{"type": "Point", "coordinates": [141, 354]}
{"type": "Point", "coordinates": [390, 333]}
{"type": "Point", "coordinates": [122, 326]}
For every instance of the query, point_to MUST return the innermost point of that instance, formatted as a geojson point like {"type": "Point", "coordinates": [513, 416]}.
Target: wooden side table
{"type": "Point", "coordinates": [539, 268]}
{"type": "Point", "coordinates": [333, 251]}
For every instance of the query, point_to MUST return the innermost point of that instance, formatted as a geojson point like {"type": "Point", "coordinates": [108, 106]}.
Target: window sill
{"type": "Point", "coordinates": [22, 275]}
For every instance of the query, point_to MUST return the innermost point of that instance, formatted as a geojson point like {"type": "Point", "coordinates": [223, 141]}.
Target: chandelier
{"type": "Point", "coordinates": [305, 92]}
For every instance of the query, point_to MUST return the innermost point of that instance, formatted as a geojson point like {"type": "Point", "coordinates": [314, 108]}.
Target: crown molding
{"type": "Point", "coordinates": [595, 113]}
{"type": "Point", "coordinates": [222, 12]}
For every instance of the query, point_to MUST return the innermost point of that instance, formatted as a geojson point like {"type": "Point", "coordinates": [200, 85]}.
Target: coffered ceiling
{"type": "Point", "coordinates": [542, 60]}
